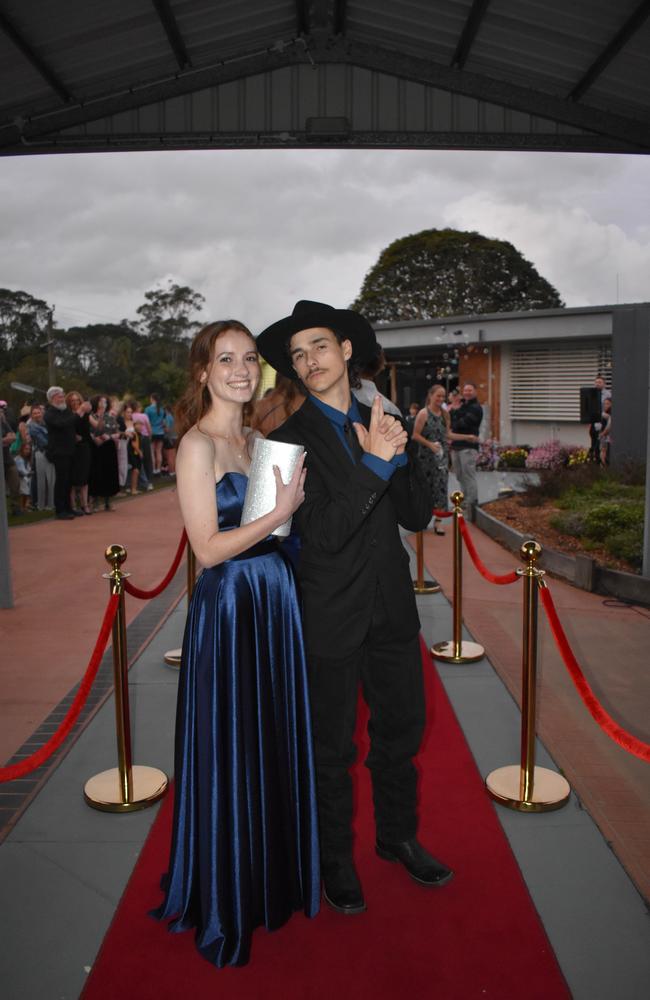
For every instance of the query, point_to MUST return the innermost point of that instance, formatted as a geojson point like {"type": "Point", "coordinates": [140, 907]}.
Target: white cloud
{"type": "Point", "coordinates": [255, 230]}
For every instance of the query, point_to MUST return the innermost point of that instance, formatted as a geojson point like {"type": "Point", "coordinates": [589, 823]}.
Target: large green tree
{"type": "Point", "coordinates": [24, 325]}
{"type": "Point", "coordinates": [447, 272]}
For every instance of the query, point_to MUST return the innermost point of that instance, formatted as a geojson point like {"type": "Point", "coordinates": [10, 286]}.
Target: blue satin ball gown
{"type": "Point", "coordinates": [245, 836]}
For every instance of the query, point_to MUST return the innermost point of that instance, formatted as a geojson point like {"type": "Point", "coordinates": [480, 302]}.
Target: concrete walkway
{"type": "Point", "coordinates": [63, 866]}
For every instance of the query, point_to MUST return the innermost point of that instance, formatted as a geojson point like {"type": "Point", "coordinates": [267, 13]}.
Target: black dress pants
{"type": "Point", "coordinates": [62, 483]}
{"type": "Point", "coordinates": [390, 672]}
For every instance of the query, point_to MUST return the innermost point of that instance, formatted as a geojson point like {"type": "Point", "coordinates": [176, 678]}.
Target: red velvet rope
{"type": "Point", "coordinates": [146, 595]}
{"type": "Point", "coordinates": [476, 559]}
{"type": "Point", "coordinates": [35, 760]}
{"type": "Point", "coordinates": [595, 709]}
{"type": "Point", "coordinates": [443, 513]}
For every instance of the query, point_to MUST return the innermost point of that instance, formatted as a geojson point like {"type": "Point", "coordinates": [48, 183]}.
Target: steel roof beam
{"type": "Point", "coordinates": [302, 17]}
{"type": "Point", "coordinates": [472, 24]}
{"type": "Point", "coordinates": [630, 28]}
{"type": "Point", "coordinates": [484, 88]}
{"type": "Point", "coordinates": [631, 131]}
{"type": "Point", "coordinates": [174, 37]}
{"type": "Point", "coordinates": [339, 24]}
{"type": "Point", "coordinates": [39, 64]}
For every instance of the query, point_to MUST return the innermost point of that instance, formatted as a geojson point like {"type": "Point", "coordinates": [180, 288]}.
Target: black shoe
{"type": "Point", "coordinates": [65, 516]}
{"type": "Point", "coordinates": [76, 512]}
{"type": "Point", "coordinates": [341, 887]}
{"type": "Point", "coordinates": [420, 865]}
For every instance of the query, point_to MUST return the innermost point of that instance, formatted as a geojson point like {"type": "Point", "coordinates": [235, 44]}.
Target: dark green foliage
{"type": "Point", "coordinates": [627, 544]}
{"type": "Point", "coordinates": [446, 272]}
{"type": "Point", "coordinates": [570, 523]}
{"type": "Point", "coordinates": [134, 358]}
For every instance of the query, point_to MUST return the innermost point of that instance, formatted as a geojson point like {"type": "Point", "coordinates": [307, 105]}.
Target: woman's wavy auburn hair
{"type": "Point", "coordinates": [196, 400]}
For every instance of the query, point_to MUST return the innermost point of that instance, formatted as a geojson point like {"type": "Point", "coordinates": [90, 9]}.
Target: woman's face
{"type": "Point", "coordinates": [101, 405]}
{"type": "Point", "coordinates": [37, 414]}
{"type": "Point", "coordinates": [234, 372]}
{"type": "Point", "coordinates": [438, 397]}
{"type": "Point", "coordinates": [128, 413]}
{"type": "Point", "coordinates": [75, 403]}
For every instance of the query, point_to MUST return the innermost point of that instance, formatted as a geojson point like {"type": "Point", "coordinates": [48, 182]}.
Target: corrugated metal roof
{"type": "Point", "coordinates": [498, 74]}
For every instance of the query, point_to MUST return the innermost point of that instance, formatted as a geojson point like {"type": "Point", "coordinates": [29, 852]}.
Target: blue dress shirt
{"type": "Point", "coordinates": [337, 419]}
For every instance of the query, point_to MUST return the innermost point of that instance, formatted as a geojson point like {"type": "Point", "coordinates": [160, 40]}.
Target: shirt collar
{"type": "Point", "coordinates": [335, 416]}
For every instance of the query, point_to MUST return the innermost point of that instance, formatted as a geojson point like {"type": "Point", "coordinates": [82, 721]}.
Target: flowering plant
{"type": "Point", "coordinates": [488, 455]}
{"type": "Point", "coordinates": [514, 458]}
{"type": "Point", "coordinates": [549, 455]}
{"type": "Point", "coordinates": [577, 455]}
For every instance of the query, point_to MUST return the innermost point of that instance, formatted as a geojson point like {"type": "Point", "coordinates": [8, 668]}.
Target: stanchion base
{"type": "Point", "coordinates": [426, 587]}
{"type": "Point", "coordinates": [173, 657]}
{"type": "Point", "coordinates": [470, 652]}
{"type": "Point", "coordinates": [104, 790]}
{"type": "Point", "coordinates": [550, 789]}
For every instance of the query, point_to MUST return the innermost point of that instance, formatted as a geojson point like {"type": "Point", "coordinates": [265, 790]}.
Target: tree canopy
{"type": "Point", "coordinates": [447, 272]}
{"type": "Point", "coordinates": [144, 355]}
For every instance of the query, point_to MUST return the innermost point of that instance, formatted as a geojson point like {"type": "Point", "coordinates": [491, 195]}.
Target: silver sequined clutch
{"type": "Point", "coordinates": [260, 492]}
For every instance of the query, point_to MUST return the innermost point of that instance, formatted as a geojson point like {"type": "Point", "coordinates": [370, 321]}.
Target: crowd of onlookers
{"type": "Point", "coordinates": [74, 455]}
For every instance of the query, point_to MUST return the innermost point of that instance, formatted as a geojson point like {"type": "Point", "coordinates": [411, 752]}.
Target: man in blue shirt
{"type": "Point", "coordinates": [360, 620]}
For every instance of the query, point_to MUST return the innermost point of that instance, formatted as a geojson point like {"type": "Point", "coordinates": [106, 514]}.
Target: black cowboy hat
{"type": "Point", "coordinates": [272, 343]}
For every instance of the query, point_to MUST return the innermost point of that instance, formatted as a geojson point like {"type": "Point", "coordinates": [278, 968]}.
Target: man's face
{"type": "Point", "coordinates": [469, 392]}
{"type": "Point", "coordinates": [318, 359]}
{"type": "Point", "coordinates": [58, 399]}
{"type": "Point", "coordinates": [600, 383]}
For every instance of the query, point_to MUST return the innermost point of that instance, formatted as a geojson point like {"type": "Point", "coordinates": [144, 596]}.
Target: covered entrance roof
{"type": "Point", "coordinates": [484, 74]}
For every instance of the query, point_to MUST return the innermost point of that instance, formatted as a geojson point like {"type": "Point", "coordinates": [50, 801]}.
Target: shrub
{"type": "Point", "coordinates": [611, 518]}
{"type": "Point", "coordinates": [570, 523]}
{"type": "Point", "coordinates": [577, 456]}
{"type": "Point", "coordinates": [627, 544]}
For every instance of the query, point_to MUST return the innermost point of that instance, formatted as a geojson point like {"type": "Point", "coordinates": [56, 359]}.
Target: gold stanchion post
{"type": "Point", "coordinates": [526, 787]}
{"type": "Point", "coordinates": [458, 650]}
{"type": "Point", "coordinates": [422, 586]}
{"type": "Point", "coordinates": [126, 787]}
{"type": "Point", "coordinates": [173, 656]}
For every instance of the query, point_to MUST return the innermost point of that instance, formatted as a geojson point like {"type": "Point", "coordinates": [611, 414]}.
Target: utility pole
{"type": "Point", "coordinates": [51, 368]}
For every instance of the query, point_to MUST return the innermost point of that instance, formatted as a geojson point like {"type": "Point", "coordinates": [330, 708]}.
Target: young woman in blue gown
{"type": "Point", "coordinates": [245, 843]}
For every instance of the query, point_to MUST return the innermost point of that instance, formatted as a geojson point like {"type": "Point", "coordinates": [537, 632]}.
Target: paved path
{"type": "Point", "coordinates": [60, 596]}
{"type": "Point", "coordinates": [610, 641]}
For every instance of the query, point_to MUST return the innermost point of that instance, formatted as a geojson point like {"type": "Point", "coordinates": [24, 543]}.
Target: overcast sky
{"type": "Point", "coordinates": [254, 231]}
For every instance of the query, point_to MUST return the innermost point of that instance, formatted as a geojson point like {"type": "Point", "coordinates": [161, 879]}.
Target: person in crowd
{"type": "Point", "coordinates": [605, 433]}
{"type": "Point", "coordinates": [104, 432]}
{"type": "Point", "coordinates": [23, 427]}
{"type": "Point", "coordinates": [44, 473]}
{"type": "Point", "coordinates": [409, 422]}
{"type": "Point", "coordinates": [245, 845]}
{"type": "Point", "coordinates": [277, 405]}
{"type": "Point", "coordinates": [366, 391]}
{"type": "Point", "coordinates": [61, 425]}
{"type": "Point", "coordinates": [596, 426]}
{"type": "Point", "coordinates": [12, 479]}
{"type": "Point", "coordinates": [466, 417]}
{"type": "Point", "coordinates": [431, 434]}
{"type": "Point", "coordinates": [23, 462]}
{"type": "Point", "coordinates": [80, 474]}
{"type": "Point", "coordinates": [131, 438]}
{"type": "Point", "coordinates": [360, 618]}
{"type": "Point", "coordinates": [169, 442]}
{"type": "Point", "coordinates": [144, 430]}
{"type": "Point", "coordinates": [156, 415]}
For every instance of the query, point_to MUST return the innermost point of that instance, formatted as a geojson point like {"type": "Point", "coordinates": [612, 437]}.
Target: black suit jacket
{"type": "Point", "coordinates": [348, 525]}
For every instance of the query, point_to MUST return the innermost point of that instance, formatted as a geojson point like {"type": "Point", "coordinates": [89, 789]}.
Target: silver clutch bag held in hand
{"type": "Point", "coordinates": [261, 489]}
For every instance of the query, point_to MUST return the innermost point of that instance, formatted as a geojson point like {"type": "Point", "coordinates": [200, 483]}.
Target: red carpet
{"type": "Point", "coordinates": [479, 936]}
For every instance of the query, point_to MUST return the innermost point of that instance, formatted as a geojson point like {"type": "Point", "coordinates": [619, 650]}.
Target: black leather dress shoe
{"type": "Point", "coordinates": [342, 888]}
{"type": "Point", "coordinates": [420, 865]}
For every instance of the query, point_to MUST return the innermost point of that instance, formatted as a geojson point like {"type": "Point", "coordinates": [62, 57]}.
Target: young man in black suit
{"type": "Point", "coordinates": [360, 619]}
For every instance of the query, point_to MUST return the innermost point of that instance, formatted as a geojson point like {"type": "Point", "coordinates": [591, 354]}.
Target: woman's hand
{"type": "Point", "coordinates": [288, 498]}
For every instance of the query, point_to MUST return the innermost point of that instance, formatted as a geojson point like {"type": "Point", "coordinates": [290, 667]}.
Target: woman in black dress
{"type": "Point", "coordinates": [104, 482]}
{"type": "Point", "coordinates": [82, 453]}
